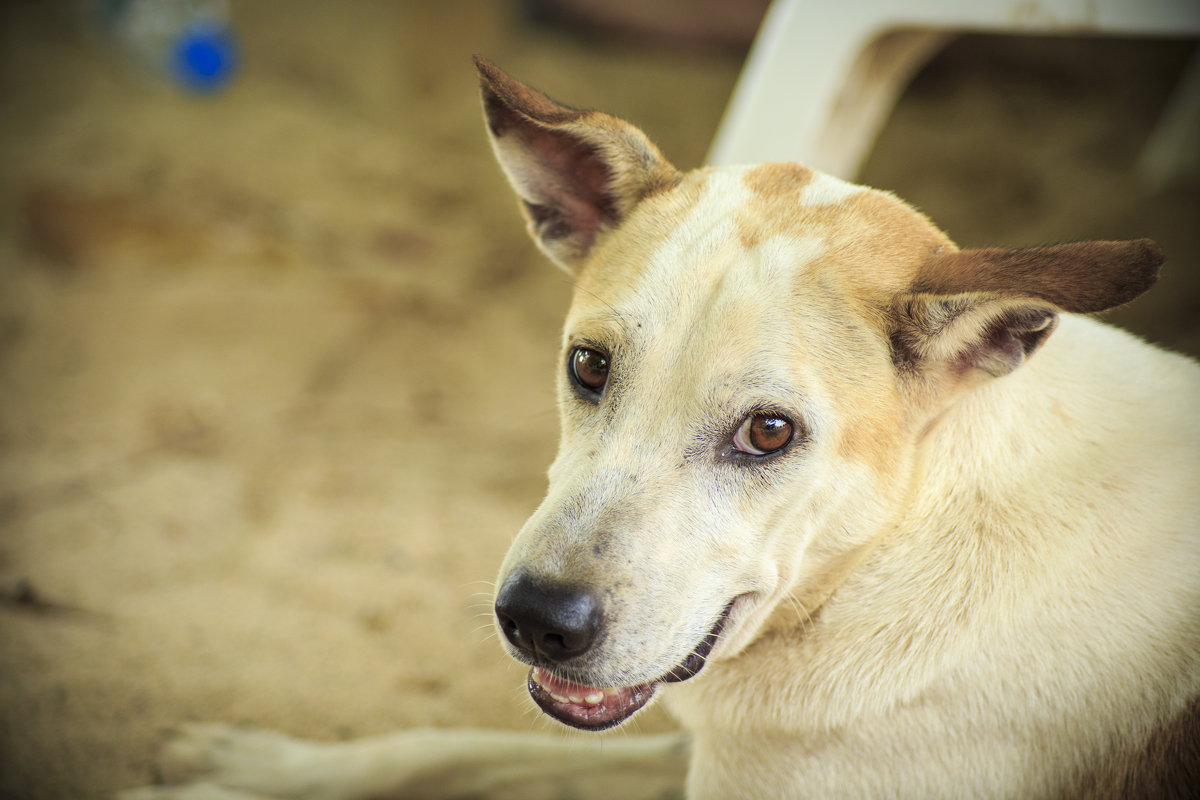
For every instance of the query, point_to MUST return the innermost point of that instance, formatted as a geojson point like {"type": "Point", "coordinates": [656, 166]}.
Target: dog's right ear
{"type": "Point", "coordinates": [974, 312]}
{"type": "Point", "coordinates": [578, 173]}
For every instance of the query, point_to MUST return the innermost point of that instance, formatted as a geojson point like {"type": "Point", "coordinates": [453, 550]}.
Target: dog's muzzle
{"type": "Point", "coordinates": [550, 624]}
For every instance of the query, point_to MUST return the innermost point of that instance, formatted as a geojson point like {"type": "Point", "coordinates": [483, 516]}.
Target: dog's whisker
{"type": "Point", "coordinates": [481, 606]}
{"type": "Point", "coordinates": [485, 633]}
{"type": "Point", "coordinates": [486, 582]}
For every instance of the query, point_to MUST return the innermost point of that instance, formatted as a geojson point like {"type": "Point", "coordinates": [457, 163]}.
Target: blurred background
{"type": "Point", "coordinates": [276, 359]}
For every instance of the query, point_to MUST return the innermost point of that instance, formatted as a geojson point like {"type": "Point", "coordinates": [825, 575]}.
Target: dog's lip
{"type": "Point", "coordinates": [587, 707]}
{"type": "Point", "coordinates": [596, 708]}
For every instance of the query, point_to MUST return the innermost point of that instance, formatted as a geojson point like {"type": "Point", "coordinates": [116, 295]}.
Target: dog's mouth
{"type": "Point", "coordinates": [587, 707]}
{"type": "Point", "coordinates": [595, 708]}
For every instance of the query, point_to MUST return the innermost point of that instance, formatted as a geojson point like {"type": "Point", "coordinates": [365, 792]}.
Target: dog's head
{"type": "Point", "coordinates": [749, 362]}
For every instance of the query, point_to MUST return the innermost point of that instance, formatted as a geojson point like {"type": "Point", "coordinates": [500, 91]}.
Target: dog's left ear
{"type": "Point", "coordinates": [988, 310]}
{"type": "Point", "coordinates": [578, 173]}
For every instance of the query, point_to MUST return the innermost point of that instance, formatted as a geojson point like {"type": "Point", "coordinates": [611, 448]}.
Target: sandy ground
{"type": "Point", "coordinates": [275, 366]}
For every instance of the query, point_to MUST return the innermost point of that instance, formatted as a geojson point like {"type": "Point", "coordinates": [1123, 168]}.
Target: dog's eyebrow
{"type": "Point", "coordinates": [752, 387]}
{"type": "Point", "coordinates": [597, 326]}
{"type": "Point", "coordinates": [612, 316]}
{"type": "Point", "coordinates": [607, 325]}
{"type": "Point", "coordinates": [615, 313]}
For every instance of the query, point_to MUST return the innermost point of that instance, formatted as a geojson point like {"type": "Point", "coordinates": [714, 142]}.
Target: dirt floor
{"type": "Point", "coordinates": [276, 365]}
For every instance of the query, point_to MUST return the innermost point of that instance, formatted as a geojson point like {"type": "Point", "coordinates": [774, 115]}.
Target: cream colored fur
{"type": "Point", "coordinates": [976, 574]}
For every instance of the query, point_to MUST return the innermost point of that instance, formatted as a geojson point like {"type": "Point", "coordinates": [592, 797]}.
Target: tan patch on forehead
{"type": "Point", "coordinates": [778, 180]}
{"type": "Point", "coordinates": [874, 241]}
{"type": "Point", "coordinates": [775, 202]}
{"type": "Point", "coordinates": [888, 240]}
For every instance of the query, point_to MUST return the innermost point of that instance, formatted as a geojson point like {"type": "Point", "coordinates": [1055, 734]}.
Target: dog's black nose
{"type": "Point", "coordinates": [554, 621]}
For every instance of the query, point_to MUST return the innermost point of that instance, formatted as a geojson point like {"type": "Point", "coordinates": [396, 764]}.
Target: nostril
{"type": "Point", "coordinates": [511, 630]}
{"type": "Point", "coordinates": [548, 620]}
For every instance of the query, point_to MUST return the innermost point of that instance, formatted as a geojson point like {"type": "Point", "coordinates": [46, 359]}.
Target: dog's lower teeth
{"type": "Point", "coordinates": [593, 698]}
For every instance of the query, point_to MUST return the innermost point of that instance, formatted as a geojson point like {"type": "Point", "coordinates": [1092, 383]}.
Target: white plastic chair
{"type": "Point", "coordinates": [823, 75]}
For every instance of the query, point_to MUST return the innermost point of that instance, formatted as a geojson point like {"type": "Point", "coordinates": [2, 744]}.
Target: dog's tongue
{"type": "Point", "coordinates": [582, 706]}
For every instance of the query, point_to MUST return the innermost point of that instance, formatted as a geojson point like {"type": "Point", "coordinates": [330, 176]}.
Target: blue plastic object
{"type": "Point", "coordinates": [205, 57]}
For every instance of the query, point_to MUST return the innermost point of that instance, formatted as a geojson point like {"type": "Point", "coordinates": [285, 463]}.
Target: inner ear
{"type": "Point", "coordinates": [1008, 340]}
{"type": "Point", "coordinates": [561, 164]}
{"type": "Point", "coordinates": [578, 207]}
{"type": "Point", "coordinates": [965, 333]}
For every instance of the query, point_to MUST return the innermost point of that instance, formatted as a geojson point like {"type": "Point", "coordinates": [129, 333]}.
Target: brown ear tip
{"type": "Point", "coordinates": [1143, 259]}
{"type": "Point", "coordinates": [1150, 254]}
{"type": "Point", "coordinates": [488, 72]}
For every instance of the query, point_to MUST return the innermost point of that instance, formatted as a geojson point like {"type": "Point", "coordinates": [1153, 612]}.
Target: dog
{"type": "Point", "coordinates": [874, 515]}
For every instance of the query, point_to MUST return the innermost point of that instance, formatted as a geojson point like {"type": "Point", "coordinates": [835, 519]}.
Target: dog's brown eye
{"type": "Point", "coordinates": [763, 434]}
{"type": "Point", "coordinates": [589, 368]}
